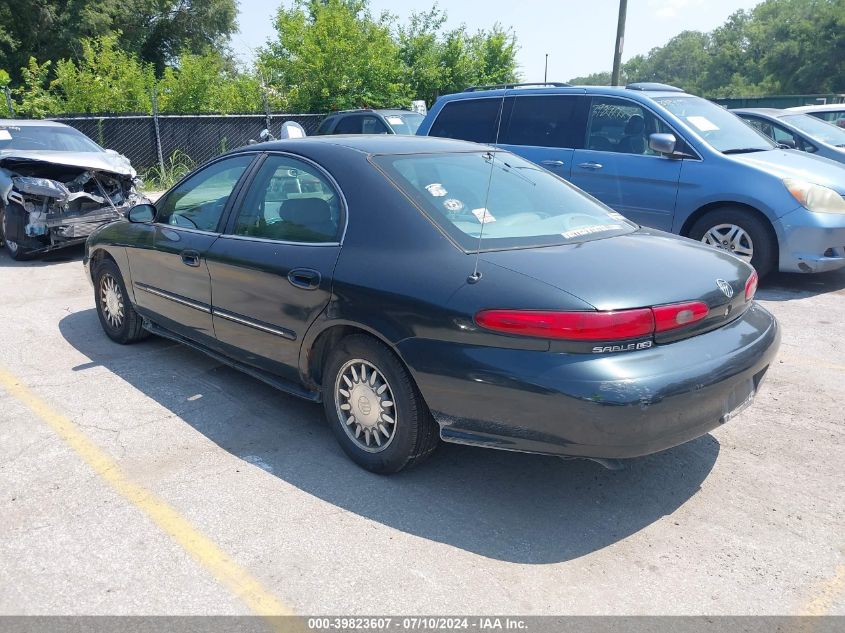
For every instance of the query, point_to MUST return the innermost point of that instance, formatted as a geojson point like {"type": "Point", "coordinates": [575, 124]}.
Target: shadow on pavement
{"type": "Point", "coordinates": [790, 286]}
{"type": "Point", "coordinates": [508, 506]}
{"type": "Point", "coordinates": [59, 256]}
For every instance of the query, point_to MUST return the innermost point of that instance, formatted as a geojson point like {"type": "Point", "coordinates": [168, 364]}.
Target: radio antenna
{"type": "Point", "coordinates": [476, 276]}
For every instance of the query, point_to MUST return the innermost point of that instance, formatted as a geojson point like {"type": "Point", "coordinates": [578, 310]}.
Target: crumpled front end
{"type": "Point", "coordinates": [50, 205]}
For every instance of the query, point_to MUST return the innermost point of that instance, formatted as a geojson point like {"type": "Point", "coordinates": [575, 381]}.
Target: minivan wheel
{"type": "Point", "coordinates": [117, 315]}
{"type": "Point", "coordinates": [374, 408]}
{"type": "Point", "coordinates": [741, 233]}
{"type": "Point", "coordinates": [14, 249]}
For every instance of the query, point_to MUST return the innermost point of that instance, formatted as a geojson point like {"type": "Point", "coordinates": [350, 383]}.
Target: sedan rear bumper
{"type": "Point", "coordinates": [610, 405]}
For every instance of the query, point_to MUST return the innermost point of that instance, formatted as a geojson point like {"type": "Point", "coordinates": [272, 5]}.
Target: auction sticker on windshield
{"type": "Point", "coordinates": [589, 230]}
{"type": "Point", "coordinates": [703, 123]}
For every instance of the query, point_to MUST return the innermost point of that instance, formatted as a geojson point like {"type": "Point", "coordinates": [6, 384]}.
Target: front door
{"type": "Point", "coordinates": [617, 166]}
{"type": "Point", "coordinates": [271, 271]}
{"type": "Point", "coordinates": [170, 278]}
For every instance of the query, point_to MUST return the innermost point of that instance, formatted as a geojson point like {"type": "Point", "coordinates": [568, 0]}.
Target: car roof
{"type": "Point", "coordinates": [30, 123]}
{"type": "Point", "coordinates": [371, 144]}
{"type": "Point", "coordinates": [772, 112]}
{"type": "Point", "coordinates": [827, 107]}
{"type": "Point", "coordinates": [650, 90]}
{"type": "Point", "coordinates": [394, 111]}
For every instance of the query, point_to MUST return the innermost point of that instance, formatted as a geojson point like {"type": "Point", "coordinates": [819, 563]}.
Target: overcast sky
{"type": "Point", "coordinates": [578, 35]}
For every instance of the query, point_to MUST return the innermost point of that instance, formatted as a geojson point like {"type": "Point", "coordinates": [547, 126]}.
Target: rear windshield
{"type": "Point", "coordinates": [45, 138]}
{"type": "Point", "coordinates": [526, 206]}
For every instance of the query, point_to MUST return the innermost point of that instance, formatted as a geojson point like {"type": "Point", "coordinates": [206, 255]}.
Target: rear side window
{"type": "Point", "coordinates": [548, 121]}
{"type": "Point", "coordinates": [468, 120]}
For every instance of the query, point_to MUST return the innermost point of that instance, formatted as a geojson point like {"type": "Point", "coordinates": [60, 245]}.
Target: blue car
{"type": "Point", "coordinates": [668, 160]}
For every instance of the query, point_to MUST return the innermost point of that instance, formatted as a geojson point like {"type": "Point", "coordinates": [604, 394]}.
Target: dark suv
{"type": "Point", "coordinates": [371, 122]}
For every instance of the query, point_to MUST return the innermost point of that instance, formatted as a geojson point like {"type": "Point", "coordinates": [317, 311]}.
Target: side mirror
{"type": "Point", "coordinates": [141, 214]}
{"type": "Point", "coordinates": [787, 144]}
{"type": "Point", "coordinates": [662, 143]}
{"type": "Point", "coordinates": [265, 135]}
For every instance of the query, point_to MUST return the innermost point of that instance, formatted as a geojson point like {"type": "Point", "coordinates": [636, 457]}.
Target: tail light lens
{"type": "Point", "coordinates": [572, 326]}
{"type": "Point", "coordinates": [678, 315]}
{"type": "Point", "coordinates": [751, 286]}
{"type": "Point", "coordinates": [593, 326]}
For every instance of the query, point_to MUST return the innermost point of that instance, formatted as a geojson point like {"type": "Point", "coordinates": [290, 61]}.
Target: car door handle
{"type": "Point", "coordinates": [553, 163]}
{"type": "Point", "coordinates": [190, 258]}
{"type": "Point", "coordinates": [590, 165]}
{"type": "Point", "coordinates": [304, 278]}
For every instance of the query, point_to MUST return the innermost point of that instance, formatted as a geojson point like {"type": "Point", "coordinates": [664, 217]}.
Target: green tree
{"type": "Point", "coordinates": [105, 79]}
{"type": "Point", "coordinates": [154, 30]}
{"type": "Point", "coordinates": [34, 97]}
{"type": "Point", "coordinates": [333, 54]}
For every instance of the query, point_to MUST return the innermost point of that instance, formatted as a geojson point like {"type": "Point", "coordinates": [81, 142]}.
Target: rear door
{"type": "Point", "coordinates": [617, 166]}
{"type": "Point", "coordinates": [271, 271]}
{"type": "Point", "coordinates": [546, 129]}
{"type": "Point", "coordinates": [170, 277]}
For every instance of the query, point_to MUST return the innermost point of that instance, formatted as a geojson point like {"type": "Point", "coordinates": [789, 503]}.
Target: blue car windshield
{"type": "Point", "coordinates": [526, 206]}
{"type": "Point", "coordinates": [45, 138]}
{"type": "Point", "coordinates": [722, 130]}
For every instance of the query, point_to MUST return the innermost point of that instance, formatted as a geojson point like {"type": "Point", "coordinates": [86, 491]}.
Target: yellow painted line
{"type": "Point", "coordinates": [207, 553]}
{"type": "Point", "coordinates": [827, 594]}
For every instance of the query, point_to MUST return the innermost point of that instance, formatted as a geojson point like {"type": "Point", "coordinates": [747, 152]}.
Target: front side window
{"type": "Point", "coordinates": [547, 121]}
{"type": "Point", "coordinates": [526, 206]}
{"type": "Point", "coordinates": [468, 120]}
{"type": "Point", "coordinates": [621, 126]}
{"type": "Point", "coordinates": [722, 130]}
{"type": "Point", "coordinates": [292, 201]}
{"type": "Point", "coordinates": [199, 201]}
{"type": "Point", "coordinates": [775, 132]}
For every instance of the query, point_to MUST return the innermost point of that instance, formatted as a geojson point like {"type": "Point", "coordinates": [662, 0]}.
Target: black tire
{"type": "Point", "coordinates": [765, 247]}
{"type": "Point", "coordinates": [13, 250]}
{"type": "Point", "coordinates": [415, 434]}
{"type": "Point", "coordinates": [127, 329]}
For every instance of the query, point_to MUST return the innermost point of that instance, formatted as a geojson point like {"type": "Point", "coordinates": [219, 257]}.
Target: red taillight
{"type": "Point", "coordinates": [573, 326]}
{"type": "Point", "coordinates": [751, 286]}
{"type": "Point", "coordinates": [593, 326]}
{"type": "Point", "coordinates": [672, 317]}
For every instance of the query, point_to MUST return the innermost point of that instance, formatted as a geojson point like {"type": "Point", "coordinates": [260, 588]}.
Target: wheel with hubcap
{"type": "Point", "coordinates": [15, 250]}
{"type": "Point", "coordinates": [117, 315]}
{"type": "Point", "coordinates": [741, 233]}
{"type": "Point", "coordinates": [375, 410]}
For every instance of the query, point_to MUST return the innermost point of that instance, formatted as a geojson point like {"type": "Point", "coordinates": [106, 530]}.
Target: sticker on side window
{"type": "Point", "coordinates": [589, 230]}
{"type": "Point", "coordinates": [703, 123]}
{"type": "Point", "coordinates": [483, 215]}
{"type": "Point", "coordinates": [5, 135]}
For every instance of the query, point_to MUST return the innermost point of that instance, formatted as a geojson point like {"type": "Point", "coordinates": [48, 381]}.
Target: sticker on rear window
{"type": "Point", "coordinates": [484, 216]}
{"type": "Point", "coordinates": [703, 123]}
{"type": "Point", "coordinates": [5, 136]}
{"type": "Point", "coordinates": [436, 189]}
{"type": "Point", "coordinates": [395, 120]}
{"type": "Point", "coordinates": [589, 230]}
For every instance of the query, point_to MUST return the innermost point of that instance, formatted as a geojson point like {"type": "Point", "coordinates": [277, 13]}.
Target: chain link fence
{"type": "Point", "coordinates": [150, 141]}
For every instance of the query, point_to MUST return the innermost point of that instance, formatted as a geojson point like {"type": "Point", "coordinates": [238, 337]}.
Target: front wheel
{"type": "Point", "coordinates": [374, 408]}
{"type": "Point", "coordinates": [14, 250]}
{"type": "Point", "coordinates": [117, 314]}
{"type": "Point", "coordinates": [741, 233]}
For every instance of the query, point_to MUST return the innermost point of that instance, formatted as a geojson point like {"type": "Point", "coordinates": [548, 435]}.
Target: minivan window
{"type": "Point", "coordinates": [526, 206]}
{"type": "Point", "coordinates": [722, 130]}
{"type": "Point", "coordinates": [619, 125]}
{"type": "Point", "coordinates": [543, 121]}
{"type": "Point", "coordinates": [469, 120]}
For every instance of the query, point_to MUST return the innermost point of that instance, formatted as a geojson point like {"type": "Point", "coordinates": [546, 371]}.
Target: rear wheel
{"type": "Point", "coordinates": [14, 250]}
{"type": "Point", "coordinates": [741, 233]}
{"type": "Point", "coordinates": [374, 408]}
{"type": "Point", "coordinates": [117, 315]}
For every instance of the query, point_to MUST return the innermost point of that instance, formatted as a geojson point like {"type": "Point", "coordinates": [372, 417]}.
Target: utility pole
{"type": "Point", "coordinates": [620, 41]}
{"type": "Point", "coordinates": [546, 74]}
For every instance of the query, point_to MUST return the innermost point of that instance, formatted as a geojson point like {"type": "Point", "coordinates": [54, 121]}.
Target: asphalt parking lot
{"type": "Point", "coordinates": [152, 480]}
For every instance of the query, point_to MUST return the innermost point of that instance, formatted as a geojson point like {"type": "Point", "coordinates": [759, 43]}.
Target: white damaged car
{"type": "Point", "coordinates": [57, 186]}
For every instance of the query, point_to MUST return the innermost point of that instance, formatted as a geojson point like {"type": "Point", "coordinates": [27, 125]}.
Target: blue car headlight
{"type": "Point", "coordinates": [815, 198]}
